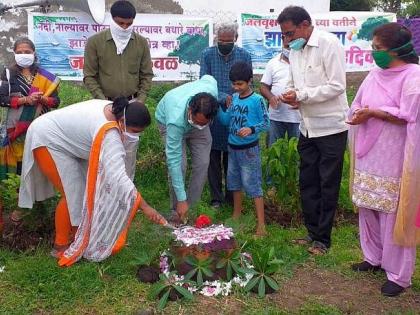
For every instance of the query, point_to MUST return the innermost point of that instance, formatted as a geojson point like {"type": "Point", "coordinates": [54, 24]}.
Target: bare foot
{"type": "Point", "coordinates": [236, 216]}
{"type": "Point", "coordinates": [58, 250]}
{"type": "Point", "coordinates": [260, 233]}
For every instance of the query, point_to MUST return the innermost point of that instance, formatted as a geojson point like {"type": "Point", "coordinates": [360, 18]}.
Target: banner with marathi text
{"type": "Point", "coordinates": [175, 42]}
{"type": "Point", "coordinates": [261, 36]}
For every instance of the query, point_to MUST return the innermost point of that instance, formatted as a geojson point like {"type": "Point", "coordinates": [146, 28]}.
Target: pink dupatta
{"type": "Point", "coordinates": [400, 88]}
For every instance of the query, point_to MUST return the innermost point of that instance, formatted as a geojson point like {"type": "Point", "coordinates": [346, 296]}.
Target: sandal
{"type": "Point", "coordinates": [303, 241]}
{"type": "Point", "coordinates": [318, 249]}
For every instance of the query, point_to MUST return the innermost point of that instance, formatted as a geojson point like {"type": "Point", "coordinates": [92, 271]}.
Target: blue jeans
{"type": "Point", "coordinates": [278, 130]}
{"type": "Point", "coordinates": [244, 171]}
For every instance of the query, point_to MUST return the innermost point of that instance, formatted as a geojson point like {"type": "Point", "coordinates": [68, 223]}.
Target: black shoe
{"type": "Point", "coordinates": [216, 204]}
{"type": "Point", "coordinates": [390, 288]}
{"type": "Point", "coordinates": [365, 266]}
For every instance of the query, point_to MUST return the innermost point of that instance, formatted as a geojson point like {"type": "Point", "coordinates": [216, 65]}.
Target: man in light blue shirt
{"type": "Point", "coordinates": [183, 116]}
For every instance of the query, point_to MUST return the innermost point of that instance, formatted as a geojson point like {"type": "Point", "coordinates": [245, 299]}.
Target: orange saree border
{"type": "Point", "coordinates": [91, 189]}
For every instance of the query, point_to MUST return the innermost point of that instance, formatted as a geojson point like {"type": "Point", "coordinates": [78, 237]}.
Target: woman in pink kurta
{"type": "Point", "coordinates": [385, 146]}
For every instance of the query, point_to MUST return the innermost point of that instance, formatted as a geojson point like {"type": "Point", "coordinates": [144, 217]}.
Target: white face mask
{"type": "Point", "coordinates": [120, 36]}
{"type": "Point", "coordinates": [24, 60]}
{"type": "Point", "coordinates": [193, 124]}
{"type": "Point", "coordinates": [129, 137]}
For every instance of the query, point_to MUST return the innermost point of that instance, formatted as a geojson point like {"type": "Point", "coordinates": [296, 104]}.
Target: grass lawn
{"type": "Point", "coordinates": [32, 282]}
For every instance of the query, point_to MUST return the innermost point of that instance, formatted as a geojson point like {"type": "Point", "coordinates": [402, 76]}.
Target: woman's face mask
{"type": "Point", "coordinates": [383, 58]}
{"type": "Point", "coordinates": [24, 60]}
{"type": "Point", "coordinates": [129, 137]}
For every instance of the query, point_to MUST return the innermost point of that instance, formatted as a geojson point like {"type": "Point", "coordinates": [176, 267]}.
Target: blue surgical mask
{"type": "Point", "coordinates": [297, 44]}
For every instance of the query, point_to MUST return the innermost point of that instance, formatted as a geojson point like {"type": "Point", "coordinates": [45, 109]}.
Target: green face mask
{"type": "Point", "coordinates": [382, 58]}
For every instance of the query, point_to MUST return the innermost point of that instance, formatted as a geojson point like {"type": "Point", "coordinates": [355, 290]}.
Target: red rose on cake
{"type": "Point", "coordinates": [202, 221]}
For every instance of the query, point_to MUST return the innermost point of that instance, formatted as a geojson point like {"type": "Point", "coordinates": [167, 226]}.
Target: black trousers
{"type": "Point", "coordinates": [321, 166]}
{"type": "Point", "coordinates": [216, 173]}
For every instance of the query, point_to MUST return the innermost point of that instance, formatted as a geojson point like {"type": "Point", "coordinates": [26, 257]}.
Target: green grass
{"type": "Point", "coordinates": [32, 283]}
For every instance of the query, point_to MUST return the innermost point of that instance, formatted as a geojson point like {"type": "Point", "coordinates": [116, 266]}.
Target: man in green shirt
{"type": "Point", "coordinates": [117, 60]}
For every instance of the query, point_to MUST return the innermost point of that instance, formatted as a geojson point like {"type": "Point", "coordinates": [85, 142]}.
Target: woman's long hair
{"type": "Point", "coordinates": [394, 35]}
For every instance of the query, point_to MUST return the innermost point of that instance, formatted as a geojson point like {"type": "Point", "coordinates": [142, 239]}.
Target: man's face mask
{"type": "Point", "coordinates": [225, 48]}
{"type": "Point", "coordinates": [297, 44]}
{"type": "Point", "coordinates": [193, 124]}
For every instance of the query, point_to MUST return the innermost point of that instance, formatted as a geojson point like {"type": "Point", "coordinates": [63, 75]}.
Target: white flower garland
{"type": "Point", "coordinates": [190, 235]}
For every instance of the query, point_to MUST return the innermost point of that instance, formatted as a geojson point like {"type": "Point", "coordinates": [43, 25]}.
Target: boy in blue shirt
{"type": "Point", "coordinates": [246, 117]}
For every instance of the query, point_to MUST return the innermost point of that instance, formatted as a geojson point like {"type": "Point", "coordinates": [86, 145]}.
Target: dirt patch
{"type": "Point", "coordinates": [25, 235]}
{"type": "Point", "coordinates": [350, 295]}
{"type": "Point", "coordinates": [354, 79]}
{"type": "Point", "coordinates": [274, 213]}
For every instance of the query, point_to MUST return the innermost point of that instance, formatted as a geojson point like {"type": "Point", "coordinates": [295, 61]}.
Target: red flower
{"type": "Point", "coordinates": [202, 221]}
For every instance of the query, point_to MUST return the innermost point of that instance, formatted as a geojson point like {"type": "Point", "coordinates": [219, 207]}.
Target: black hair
{"type": "Point", "coordinates": [204, 103]}
{"type": "Point", "coordinates": [394, 35]}
{"type": "Point", "coordinates": [15, 69]}
{"type": "Point", "coordinates": [240, 71]}
{"type": "Point", "coordinates": [123, 9]}
{"type": "Point", "coordinates": [136, 113]}
{"type": "Point", "coordinates": [294, 14]}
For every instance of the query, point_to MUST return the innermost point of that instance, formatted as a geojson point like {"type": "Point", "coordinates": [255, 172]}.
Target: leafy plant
{"type": "Point", "coordinates": [281, 164]}
{"type": "Point", "coordinates": [169, 283]}
{"type": "Point", "coordinates": [265, 264]}
{"type": "Point", "coordinates": [232, 263]}
{"type": "Point", "coordinates": [9, 192]}
{"type": "Point", "coordinates": [200, 268]}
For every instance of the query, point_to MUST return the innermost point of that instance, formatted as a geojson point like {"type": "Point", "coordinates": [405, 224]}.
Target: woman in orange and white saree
{"type": "Point", "coordinates": [87, 151]}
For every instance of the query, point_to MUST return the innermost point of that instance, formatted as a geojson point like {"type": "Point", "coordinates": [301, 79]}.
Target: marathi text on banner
{"type": "Point", "coordinates": [175, 42]}
{"type": "Point", "coordinates": [261, 36]}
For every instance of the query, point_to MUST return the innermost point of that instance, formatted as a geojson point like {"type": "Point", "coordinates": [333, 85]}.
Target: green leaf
{"type": "Point", "coordinates": [199, 278]}
{"type": "Point", "coordinates": [272, 283]}
{"type": "Point", "coordinates": [236, 268]}
{"type": "Point", "coordinates": [251, 283]}
{"type": "Point", "coordinates": [191, 260]}
{"type": "Point", "coordinates": [261, 287]}
{"type": "Point", "coordinates": [221, 264]}
{"type": "Point", "coordinates": [190, 274]}
{"type": "Point", "coordinates": [271, 253]}
{"type": "Point", "coordinates": [159, 287]}
{"type": "Point", "coordinates": [249, 270]}
{"type": "Point", "coordinates": [163, 300]}
{"type": "Point", "coordinates": [271, 269]}
{"type": "Point", "coordinates": [229, 272]}
{"type": "Point", "coordinates": [184, 292]}
{"type": "Point", "coordinates": [207, 272]}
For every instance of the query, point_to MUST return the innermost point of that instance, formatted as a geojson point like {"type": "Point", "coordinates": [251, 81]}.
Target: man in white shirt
{"type": "Point", "coordinates": [283, 118]}
{"type": "Point", "coordinates": [317, 87]}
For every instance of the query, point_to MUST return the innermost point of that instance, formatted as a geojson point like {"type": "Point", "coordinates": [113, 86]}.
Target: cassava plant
{"type": "Point", "coordinates": [168, 286]}
{"type": "Point", "coordinates": [265, 264]}
{"type": "Point", "coordinates": [200, 269]}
